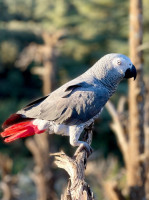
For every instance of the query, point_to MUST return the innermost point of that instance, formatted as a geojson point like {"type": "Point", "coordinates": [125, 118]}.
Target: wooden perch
{"type": "Point", "coordinates": [77, 188]}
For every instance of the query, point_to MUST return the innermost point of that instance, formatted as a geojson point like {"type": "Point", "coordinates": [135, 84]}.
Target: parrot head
{"type": "Point", "coordinates": [112, 68]}
{"type": "Point", "coordinates": [123, 65]}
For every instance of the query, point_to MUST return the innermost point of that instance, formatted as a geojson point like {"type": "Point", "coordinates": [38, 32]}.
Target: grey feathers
{"type": "Point", "coordinates": [73, 108]}
{"type": "Point", "coordinates": [81, 99]}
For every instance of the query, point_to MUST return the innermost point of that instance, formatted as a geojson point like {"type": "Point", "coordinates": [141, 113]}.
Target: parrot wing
{"type": "Point", "coordinates": [72, 105]}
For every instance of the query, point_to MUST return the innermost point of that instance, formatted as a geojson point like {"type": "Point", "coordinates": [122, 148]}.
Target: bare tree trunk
{"type": "Point", "coordinates": [146, 129]}
{"type": "Point", "coordinates": [135, 169]}
{"type": "Point", "coordinates": [40, 148]}
{"type": "Point", "coordinates": [133, 139]}
{"type": "Point", "coordinates": [40, 145]}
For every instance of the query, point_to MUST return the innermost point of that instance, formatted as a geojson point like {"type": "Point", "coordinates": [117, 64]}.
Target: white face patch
{"type": "Point", "coordinates": [121, 64]}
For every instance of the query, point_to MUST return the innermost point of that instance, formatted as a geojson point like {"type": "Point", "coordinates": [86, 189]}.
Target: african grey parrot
{"type": "Point", "coordinates": [73, 106]}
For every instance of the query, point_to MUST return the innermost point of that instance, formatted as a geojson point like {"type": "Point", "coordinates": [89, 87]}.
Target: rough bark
{"type": "Point", "coordinates": [135, 169]}
{"type": "Point", "coordinates": [77, 188]}
{"type": "Point", "coordinates": [146, 129]}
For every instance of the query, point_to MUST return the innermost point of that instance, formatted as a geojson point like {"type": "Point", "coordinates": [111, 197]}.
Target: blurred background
{"type": "Point", "coordinates": [44, 44]}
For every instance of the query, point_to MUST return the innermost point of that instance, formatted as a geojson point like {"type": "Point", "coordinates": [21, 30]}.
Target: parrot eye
{"type": "Point", "coordinates": [118, 62]}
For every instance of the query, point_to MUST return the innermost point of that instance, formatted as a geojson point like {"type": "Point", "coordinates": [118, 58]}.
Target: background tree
{"type": "Point", "coordinates": [136, 169]}
{"type": "Point", "coordinates": [133, 138]}
{"type": "Point", "coordinates": [43, 176]}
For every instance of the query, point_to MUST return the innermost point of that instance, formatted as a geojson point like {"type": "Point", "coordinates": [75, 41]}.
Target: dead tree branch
{"type": "Point", "coordinates": [77, 188]}
{"type": "Point", "coordinates": [118, 129]}
{"type": "Point", "coordinates": [111, 187]}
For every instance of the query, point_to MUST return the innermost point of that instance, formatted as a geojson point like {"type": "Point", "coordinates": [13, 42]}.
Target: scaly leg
{"type": "Point", "coordinates": [75, 132]}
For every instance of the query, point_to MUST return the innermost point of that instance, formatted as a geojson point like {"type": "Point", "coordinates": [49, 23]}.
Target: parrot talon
{"type": "Point", "coordinates": [85, 146]}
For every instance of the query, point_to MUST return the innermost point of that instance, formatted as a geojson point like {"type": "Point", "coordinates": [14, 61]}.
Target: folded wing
{"type": "Point", "coordinates": [74, 105]}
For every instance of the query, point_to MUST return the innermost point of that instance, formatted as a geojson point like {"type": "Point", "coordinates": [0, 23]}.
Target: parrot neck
{"type": "Point", "coordinates": [100, 77]}
{"type": "Point", "coordinates": [111, 87]}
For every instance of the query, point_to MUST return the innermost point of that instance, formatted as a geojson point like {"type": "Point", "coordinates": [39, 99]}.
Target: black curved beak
{"type": "Point", "coordinates": [131, 72]}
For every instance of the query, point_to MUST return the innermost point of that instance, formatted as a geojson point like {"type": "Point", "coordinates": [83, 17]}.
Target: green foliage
{"type": "Point", "coordinates": [10, 47]}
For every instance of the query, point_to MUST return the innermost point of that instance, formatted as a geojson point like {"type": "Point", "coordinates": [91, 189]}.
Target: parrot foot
{"type": "Point", "coordinates": [86, 146]}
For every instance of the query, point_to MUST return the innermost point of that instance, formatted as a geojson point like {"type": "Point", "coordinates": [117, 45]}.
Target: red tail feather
{"type": "Point", "coordinates": [19, 130]}
{"type": "Point", "coordinates": [13, 119]}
